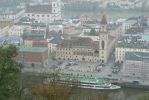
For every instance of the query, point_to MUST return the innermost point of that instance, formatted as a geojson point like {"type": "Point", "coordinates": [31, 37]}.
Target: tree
{"type": "Point", "coordinates": [53, 90]}
{"type": "Point", "coordinates": [93, 32]}
{"type": "Point", "coordinates": [9, 72]}
{"type": "Point", "coordinates": [144, 96]}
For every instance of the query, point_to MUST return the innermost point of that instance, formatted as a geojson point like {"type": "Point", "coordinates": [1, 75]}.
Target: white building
{"type": "Point", "coordinates": [130, 44]}
{"type": "Point", "coordinates": [136, 64]}
{"type": "Point", "coordinates": [56, 27]}
{"type": "Point", "coordinates": [128, 24]}
{"type": "Point", "coordinates": [4, 27]}
{"type": "Point", "coordinates": [148, 21]}
{"type": "Point", "coordinates": [53, 41]}
{"type": "Point", "coordinates": [39, 27]}
{"type": "Point", "coordinates": [9, 14]}
{"type": "Point", "coordinates": [46, 13]}
{"type": "Point", "coordinates": [17, 30]}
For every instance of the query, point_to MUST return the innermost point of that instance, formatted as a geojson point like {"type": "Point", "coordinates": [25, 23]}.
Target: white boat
{"type": "Point", "coordinates": [88, 82]}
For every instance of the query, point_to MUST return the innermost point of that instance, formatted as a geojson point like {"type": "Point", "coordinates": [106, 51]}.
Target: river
{"type": "Point", "coordinates": [121, 94]}
{"type": "Point", "coordinates": [113, 14]}
{"type": "Point", "coordinates": [89, 94]}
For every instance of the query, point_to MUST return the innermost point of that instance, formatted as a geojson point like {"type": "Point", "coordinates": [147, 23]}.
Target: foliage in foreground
{"type": "Point", "coordinates": [144, 96]}
{"type": "Point", "coordinates": [55, 91]}
{"type": "Point", "coordinates": [9, 72]}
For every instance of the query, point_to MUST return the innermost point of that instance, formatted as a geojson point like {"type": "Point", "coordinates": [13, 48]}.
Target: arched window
{"type": "Point", "coordinates": [103, 45]}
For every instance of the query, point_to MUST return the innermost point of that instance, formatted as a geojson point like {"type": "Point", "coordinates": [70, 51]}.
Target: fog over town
{"type": "Point", "coordinates": [74, 49]}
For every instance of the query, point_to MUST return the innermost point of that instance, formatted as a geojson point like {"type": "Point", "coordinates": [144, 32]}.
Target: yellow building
{"type": "Point", "coordinates": [85, 49]}
{"type": "Point", "coordinates": [80, 49]}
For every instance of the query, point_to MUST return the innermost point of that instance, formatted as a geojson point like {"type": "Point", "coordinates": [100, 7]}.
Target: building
{"type": "Point", "coordinates": [69, 29]}
{"type": "Point", "coordinates": [106, 42]}
{"type": "Point", "coordinates": [4, 27]}
{"type": "Point", "coordinates": [39, 27]}
{"type": "Point", "coordinates": [57, 27]}
{"type": "Point", "coordinates": [17, 30]}
{"type": "Point", "coordinates": [87, 48]}
{"type": "Point", "coordinates": [136, 64]}
{"type": "Point", "coordinates": [85, 18]}
{"type": "Point", "coordinates": [11, 14]}
{"type": "Point", "coordinates": [131, 44]}
{"type": "Point", "coordinates": [34, 35]}
{"type": "Point", "coordinates": [53, 40]}
{"type": "Point", "coordinates": [32, 56]}
{"type": "Point", "coordinates": [14, 40]}
{"type": "Point", "coordinates": [79, 49]}
{"type": "Point", "coordinates": [46, 13]}
{"type": "Point", "coordinates": [36, 43]}
{"type": "Point", "coordinates": [148, 21]}
{"type": "Point", "coordinates": [129, 23]}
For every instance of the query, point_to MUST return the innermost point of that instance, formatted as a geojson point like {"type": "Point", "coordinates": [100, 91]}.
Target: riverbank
{"type": "Point", "coordinates": [87, 94]}
{"type": "Point", "coordinates": [113, 14]}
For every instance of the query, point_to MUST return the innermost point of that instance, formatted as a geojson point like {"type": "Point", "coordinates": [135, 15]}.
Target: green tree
{"type": "Point", "coordinates": [93, 32]}
{"type": "Point", "coordinates": [9, 72]}
{"type": "Point", "coordinates": [144, 96]}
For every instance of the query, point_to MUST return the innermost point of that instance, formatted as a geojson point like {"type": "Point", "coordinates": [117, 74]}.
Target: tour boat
{"type": "Point", "coordinates": [88, 82]}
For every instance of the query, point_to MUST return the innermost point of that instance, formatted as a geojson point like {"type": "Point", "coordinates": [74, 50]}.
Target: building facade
{"type": "Point", "coordinates": [17, 30]}
{"type": "Point", "coordinates": [9, 14]}
{"type": "Point", "coordinates": [106, 41]}
{"type": "Point", "coordinates": [32, 56]}
{"type": "Point", "coordinates": [46, 13]}
{"type": "Point", "coordinates": [81, 49]}
{"type": "Point", "coordinates": [86, 48]}
{"type": "Point", "coordinates": [136, 64]}
{"type": "Point", "coordinates": [130, 44]}
{"type": "Point", "coordinates": [4, 27]}
{"type": "Point", "coordinates": [36, 43]}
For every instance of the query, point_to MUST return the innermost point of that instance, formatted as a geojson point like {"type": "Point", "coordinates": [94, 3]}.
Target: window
{"type": "Point", "coordinates": [54, 5]}
{"type": "Point", "coordinates": [103, 45]}
{"type": "Point", "coordinates": [33, 64]}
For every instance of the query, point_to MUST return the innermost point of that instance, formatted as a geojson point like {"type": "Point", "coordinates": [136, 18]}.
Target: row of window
{"type": "Point", "coordinates": [38, 15]}
{"type": "Point", "coordinates": [129, 49]}
{"type": "Point", "coordinates": [85, 59]}
{"type": "Point", "coordinates": [65, 49]}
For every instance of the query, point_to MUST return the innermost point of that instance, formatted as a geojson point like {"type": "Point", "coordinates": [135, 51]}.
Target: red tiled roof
{"type": "Point", "coordinates": [4, 24]}
{"type": "Point", "coordinates": [79, 42]}
{"type": "Point", "coordinates": [104, 20]}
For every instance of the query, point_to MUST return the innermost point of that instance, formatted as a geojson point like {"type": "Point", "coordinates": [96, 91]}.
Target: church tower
{"type": "Point", "coordinates": [103, 40]}
{"type": "Point", "coordinates": [56, 8]}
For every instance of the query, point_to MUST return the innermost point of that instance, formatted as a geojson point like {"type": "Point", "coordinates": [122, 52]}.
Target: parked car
{"type": "Point", "coordinates": [75, 64]}
{"type": "Point", "coordinates": [54, 66]}
{"type": "Point", "coordinates": [68, 64]}
{"type": "Point", "coordinates": [109, 75]}
{"type": "Point", "coordinates": [59, 62]}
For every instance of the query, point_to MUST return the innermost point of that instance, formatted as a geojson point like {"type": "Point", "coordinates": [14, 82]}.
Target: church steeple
{"type": "Point", "coordinates": [103, 24]}
{"type": "Point", "coordinates": [104, 20]}
{"type": "Point", "coordinates": [103, 42]}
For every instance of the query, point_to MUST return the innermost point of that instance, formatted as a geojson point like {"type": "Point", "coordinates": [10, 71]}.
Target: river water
{"type": "Point", "coordinates": [122, 94]}
{"type": "Point", "coordinates": [89, 94]}
{"type": "Point", "coordinates": [114, 14]}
